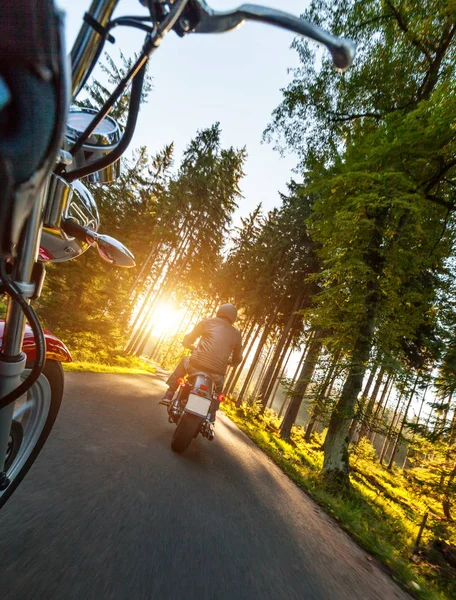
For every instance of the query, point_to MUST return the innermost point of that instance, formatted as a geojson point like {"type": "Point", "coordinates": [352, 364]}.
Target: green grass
{"type": "Point", "coordinates": [117, 364]}
{"type": "Point", "coordinates": [381, 511]}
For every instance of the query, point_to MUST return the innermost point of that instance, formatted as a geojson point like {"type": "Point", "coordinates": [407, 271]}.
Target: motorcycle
{"type": "Point", "coordinates": [193, 409]}
{"type": "Point", "coordinates": [48, 144]}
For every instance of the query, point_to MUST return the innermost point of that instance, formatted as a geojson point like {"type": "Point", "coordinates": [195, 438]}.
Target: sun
{"type": "Point", "coordinates": [166, 319]}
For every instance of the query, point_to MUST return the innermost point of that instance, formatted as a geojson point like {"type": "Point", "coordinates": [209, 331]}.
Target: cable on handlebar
{"type": "Point", "coordinates": [152, 42]}
{"type": "Point", "coordinates": [98, 27]}
{"type": "Point", "coordinates": [12, 290]}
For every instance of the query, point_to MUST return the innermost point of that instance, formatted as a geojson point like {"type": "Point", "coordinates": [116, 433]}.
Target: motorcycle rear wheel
{"type": "Point", "coordinates": [34, 417]}
{"type": "Point", "coordinates": [186, 430]}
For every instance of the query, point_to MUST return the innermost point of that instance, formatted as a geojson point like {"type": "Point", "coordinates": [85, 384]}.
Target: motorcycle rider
{"type": "Point", "coordinates": [219, 345]}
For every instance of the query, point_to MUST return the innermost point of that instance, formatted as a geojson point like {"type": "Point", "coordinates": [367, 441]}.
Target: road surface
{"type": "Point", "coordinates": [110, 512]}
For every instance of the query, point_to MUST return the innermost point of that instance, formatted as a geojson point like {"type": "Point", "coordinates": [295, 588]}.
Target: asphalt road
{"type": "Point", "coordinates": [110, 512]}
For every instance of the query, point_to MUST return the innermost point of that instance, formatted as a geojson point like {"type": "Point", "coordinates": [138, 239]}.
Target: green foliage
{"type": "Point", "coordinates": [364, 450]}
{"type": "Point", "coordinates": [120, 364]}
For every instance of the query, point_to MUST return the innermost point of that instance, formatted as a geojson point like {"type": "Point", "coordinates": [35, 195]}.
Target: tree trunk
{"type": "Point", "coordinates": [267, 330]}
{"type": "Point", "coordinates": [361, 403]}
{"type": "Point", "coordinates": [404, 464]}
{"type": "Point", "coordinates": [392, 425]}
{"type": "Point", "coordinates": [245, 351]}
{"type": "Point", "coordinates": [446, 501]}
{"type": "Point", "coordinates": [335, 462]}
{"type": "Point", "coordinates": [263, 370]}
{"type": "Point", "coordinates": [336, 466]}
{"type": "Point", "coordinates": [143, 316]}
{"type": "Point", "coordinates": [401, 428]}
{"type": "Point", "coordinates": [276, 378]}
{"type": "Point", "coordinates": [321, 397]}
{"type": "Point", "coordinates": [253, 366]}
{"type": "Point", "coordinates": [295, 376]}
{"type": "Point", "coordinates": [278, 352]}
{"type": "Point", "coordinates": [279, 378]}
{"type": "Point", "coordinates": [237, 373]}
{"type": "Point", "coordinates": [366, 422]}
{"type": "Point", "coordinates": [382, 405]}
{"type": "Point", "coordinates": [305, 376]}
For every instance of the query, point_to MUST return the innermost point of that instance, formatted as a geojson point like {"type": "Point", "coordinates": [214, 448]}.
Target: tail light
{"type": "Point", "coordinates": [221, 397]}
{"type": "Point", "coordinates": [204, 387]}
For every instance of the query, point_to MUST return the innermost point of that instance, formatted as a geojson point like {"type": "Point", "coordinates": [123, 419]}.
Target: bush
{"type": "Point", "coordinates": [363, 450]}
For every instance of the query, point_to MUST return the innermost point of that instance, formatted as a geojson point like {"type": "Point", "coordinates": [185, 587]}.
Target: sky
{"type": "Point", "coordinates": [234, 78]}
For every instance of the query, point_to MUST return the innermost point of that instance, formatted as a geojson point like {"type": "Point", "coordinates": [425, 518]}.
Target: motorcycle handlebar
{"type": "Point", "coordinates": [88, 45]}
{"type": "Point", "coordinates": [86, 49]}
{"type": "Point", "coordinates": [211, 21]}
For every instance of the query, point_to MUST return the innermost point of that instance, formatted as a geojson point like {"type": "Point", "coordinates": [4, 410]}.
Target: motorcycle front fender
{"type": "Point", "coordinates": [55, 348]}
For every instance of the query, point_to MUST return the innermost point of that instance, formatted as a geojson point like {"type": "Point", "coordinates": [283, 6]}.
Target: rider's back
{"type": "Point", "coordinates": [219, 341]}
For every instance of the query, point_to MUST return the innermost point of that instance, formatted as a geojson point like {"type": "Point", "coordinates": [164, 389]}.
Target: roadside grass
{"type": "Point", "coordinates": [381, 511]}
{"type": "Point", "coordinates": [114, 364]}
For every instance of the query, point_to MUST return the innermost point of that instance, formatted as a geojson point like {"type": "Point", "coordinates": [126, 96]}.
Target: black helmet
{"type": "Point", "coordinates": [228, 312]}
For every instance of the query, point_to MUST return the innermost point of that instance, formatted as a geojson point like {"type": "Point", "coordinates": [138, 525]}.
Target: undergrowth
{"type": "Point", "coordinates": [117, 363]}
{"type": "Point", "coordinates": [381, 511]}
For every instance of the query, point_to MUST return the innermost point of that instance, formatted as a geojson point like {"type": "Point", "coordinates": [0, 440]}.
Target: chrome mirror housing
{"type": "Point", "coordinates": [101, 142]}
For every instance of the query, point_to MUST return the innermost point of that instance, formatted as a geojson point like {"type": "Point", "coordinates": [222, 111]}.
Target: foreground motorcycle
{"type": "Point", "coordinates": [193, 409]}
{"type": "Point", "coordinates": [46, 147]}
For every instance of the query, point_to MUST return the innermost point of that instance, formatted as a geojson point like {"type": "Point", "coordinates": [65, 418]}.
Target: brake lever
{"type": "Point", "coordinates": [212, 21]}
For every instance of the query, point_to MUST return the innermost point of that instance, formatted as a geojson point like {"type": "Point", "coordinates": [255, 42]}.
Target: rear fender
{"type": "Point", "coordinates": [55, 348]}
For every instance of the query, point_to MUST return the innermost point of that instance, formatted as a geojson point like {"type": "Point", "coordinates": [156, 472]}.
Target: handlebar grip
{"type": "Point", "coordinates": [343, 54]}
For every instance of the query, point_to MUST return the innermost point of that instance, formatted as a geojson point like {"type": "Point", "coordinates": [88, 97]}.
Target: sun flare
{"type": "Point", "coordinates": [166, 319]}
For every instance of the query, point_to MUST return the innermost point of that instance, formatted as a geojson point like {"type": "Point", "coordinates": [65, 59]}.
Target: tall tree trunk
{"type": "Point", "coordinates": [278, 352]}
{"type": "Point", "coordinates": [245, 335]}
{"type": "Point", "coordinates": [335, 463]}
{"type": "Point", "coordinates": [361, 403]}
{"type": "Point", "coordinates": [279, 378]}
{"type": "Point", "coordinates": [366, 422]}
{"type": "Point", "coordinates": [404, 464]}
{"type": "Point", "coordinates": [336, 467]}
{"type": "Point", "coordinates": [263, 370]}
{"type": "Point", "coordinates": [446, 501]}
{"type": "Point", "coordinates": [253, 366]}
{"type": "Point", "coordinates": [382, 405]}
{"type": "Point", "coordinates": [404, 420]}
{"type": "Point", "coordinates": [267, 330]}
{"type": "Point", "coordinates": [231, 385]}
{"type": "Point", "coordinates": [298, 369]}
{"type": "Point", "coordinates": [275, 379]}
{"type": "Point", "coordinates": [145, 312]}
{"type": "Point", "coordinates": [392, 425]}
{"type": "Point", "coordinates": [448, 494]}
{"type": "Point", "coordinates": [317, 409]}
{"type": "Point", "coordinates": [305, 376]}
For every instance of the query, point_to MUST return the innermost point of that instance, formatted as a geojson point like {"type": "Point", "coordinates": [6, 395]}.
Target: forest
{"type": "Point", "coordinates": [345, 290]}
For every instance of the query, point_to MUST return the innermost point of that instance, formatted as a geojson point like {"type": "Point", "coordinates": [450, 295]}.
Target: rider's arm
{"type": "Point", "coordinates": [237, 353]}
{"type": "Point", "coordinates": [191, 337]}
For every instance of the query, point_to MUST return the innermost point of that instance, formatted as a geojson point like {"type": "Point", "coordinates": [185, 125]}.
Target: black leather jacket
{"type": "Point", "coordinates": [219, 342]}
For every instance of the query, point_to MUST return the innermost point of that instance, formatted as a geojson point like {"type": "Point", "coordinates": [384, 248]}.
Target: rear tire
{"type": "Point", "coordinates": [19, 463]}
{"type": "Point", "coordinates": [186, 430]}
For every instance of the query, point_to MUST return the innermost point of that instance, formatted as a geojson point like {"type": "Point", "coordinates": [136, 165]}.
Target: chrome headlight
{"type": "Point", "coordinates": [102, 141]}
{"type": "Point", "coordinates": [66, 201]}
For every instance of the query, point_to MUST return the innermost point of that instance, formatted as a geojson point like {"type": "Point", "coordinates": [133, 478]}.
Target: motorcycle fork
{"type": "Point", "coordinates": [12, 359]}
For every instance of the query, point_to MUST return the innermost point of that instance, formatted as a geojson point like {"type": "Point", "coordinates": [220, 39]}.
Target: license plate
{"type": "Point", "coordinates": [198, 405]}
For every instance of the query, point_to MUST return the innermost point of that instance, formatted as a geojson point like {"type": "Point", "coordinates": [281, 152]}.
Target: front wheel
{"type": "Point", "coordinates": [186, 430]}
{"type": "Point", "coordinates": [34, 416]}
